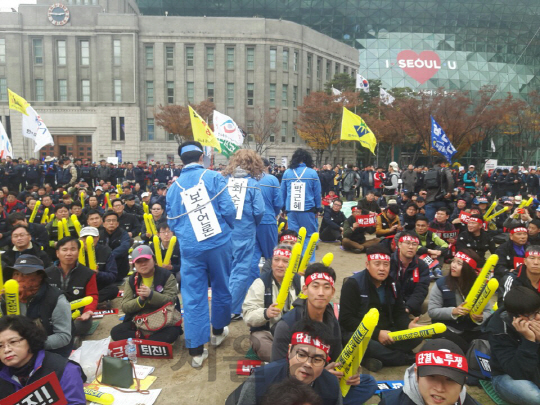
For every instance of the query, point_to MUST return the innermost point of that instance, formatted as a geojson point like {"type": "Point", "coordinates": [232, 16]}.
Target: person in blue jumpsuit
{"type": "Point", "coordinates": [244, 163]}
{"type": "Point", "coordinates": [300, 170]}
{"type": "Point", "coordinates": [209, 259]}
{"type": "Point", "coordinates": [267, 231]}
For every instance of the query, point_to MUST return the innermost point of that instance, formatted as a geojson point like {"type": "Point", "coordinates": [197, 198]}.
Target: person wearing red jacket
{"type": "Point", "coordinates": [12, 204]}
{"type": "Point", "coordinates": [75, 281]}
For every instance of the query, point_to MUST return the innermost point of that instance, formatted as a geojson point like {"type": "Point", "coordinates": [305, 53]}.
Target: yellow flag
{"type": "Point", "coordinates": [201, 131]}
{"type": "Point", "coordinates": [17, 103]}
{"type": "Point", "coordinates": [354, 128]}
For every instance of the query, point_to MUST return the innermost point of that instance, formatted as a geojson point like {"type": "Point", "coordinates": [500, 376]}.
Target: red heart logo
{"type": "Point", "coordinates": [420, 67]}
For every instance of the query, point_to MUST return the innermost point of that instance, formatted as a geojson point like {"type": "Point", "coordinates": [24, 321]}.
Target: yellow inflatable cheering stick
{"type": "Point", "coordinates": [496, 214]}
{"type": "Point", "coordinates": [91, 253]}
{"type": "Point", "coordinates": [81, 197]}
{"type": "Point", "coordinates": [353, 353]}
{"type": "Point", "coordinates": [108, 198]}
{"type": "Point", "coordinates": [81, 303]}
{"type": "Point", "coordinates": [493, 205]}
{"type": "Point", "coordinates": [76, 223]}
{"type": "Point", "coordinates": [169, 252]}
{"type": "Point", "coordinates": [44, 218]}
{"type": "Point", "coordinates": [420, 332]}
{"type": "Point", "coordinates": [289, 274]}
{"type": "Point", "coordinates": [153, 229]}
{"type": "Point", "coordinates": [483, 299]}
{"type": "Point", "coordinates": [60, 228]}
{"type": "Point", "coordinates": [34, 212]}
{"type": "Point", "coordinates": [66, 227]}
{"type": "Point", "coordinates": [50, 218]}
{"type": "Point", "coordinates": [82, 256]}
{"type": "Point", "coordinates": [145, 208]}
{"type": "Point", "coordinates": [308, 253]}
{"type": "Point", "coordinates": [301, 238]}
{"type": "Point", "coordinates": [98, 397]}
{"type": "Point", "coordinates": [280, 227]}
{"type": "Point", "coordinates": [327, 259]}
{"type": "Point", "coordinates": [157, 250]}
{"type": "Point", "coordinates": [75, 314]}
{"type": "Point", "coordinates": [480, 282]}
{"type": "Point", "coordinates": [119, 189]}
{"type": "Point", "coordinates": [11, 292]}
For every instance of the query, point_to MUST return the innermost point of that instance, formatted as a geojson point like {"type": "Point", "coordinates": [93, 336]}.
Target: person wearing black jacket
{"type": "Point", "coordinates": [514, 338]}
{"type": "Point", "coordinates": [476, 238]}
{"type": "Point", "coordinates": [40, 236]}
{"type": "Point", "coordinates": [34, 173]}
{"type": "Point", "coordinates": [332, 223]}
{"type": "Point", "coordinates": [117, 239]}
{"type": "Point", "coordinates": [512, 182]}
{"type": "Point", "coordinates": [374, 287]}
{"type": "Point", "coordinates": [327, 179]}
{"type": "Point", "coordinates": [411, 273]}
{"type": "Point", "coordinates": [369, 203]}
{"type": "Point", "coordinates": [22, 245]}
{"type": "Point", "coordinates": [133, 208]}
{"type": "Point", "coordinates": [128, 222]}
{"type": "Point", "coordinates": [512, 252]}
{"type": "Point", "coordinates": [526, 274]}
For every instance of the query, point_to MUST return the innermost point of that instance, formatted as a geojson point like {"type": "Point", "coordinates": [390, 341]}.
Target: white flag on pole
{"type": "Point", "coordinates": [493, 145]}
{"type": "Point", "coordinates": [362, 83]}
{"type": "Point", "coordinates": [34, 128]}
{"type": "Point", "coordinates": [337, 92]}
{"type": "Point", "coordinates": [225, 128]}
{"type": "Point", "coordinates": [5, 144]}
{"type": "Point", "coordinates": [386, 97]}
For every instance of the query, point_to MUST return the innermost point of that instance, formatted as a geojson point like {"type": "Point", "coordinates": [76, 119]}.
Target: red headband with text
{"type": "Point", "coordinates": [518, 229]}
{"type": "Point", "coordinates": [300, 338]}
{"type": "Point", "coordinates": [378, 256]}
{"type": "Point", "coordinates": [477, 220]}
{"type": "Point", "coordinates": [467, 259]}
{"type": "Point", "coordinates": [533, 253]}
{"type": "Point", "coordinates": [409, 238]}
{"type": "Point", "coordinates": [283, 253]}
{"type": "Point", "coordinates": [439, 358]}
{"type": "Point", "coordinates": [292, 238]}
{"type": "Point", "coordinates": [319, 276]}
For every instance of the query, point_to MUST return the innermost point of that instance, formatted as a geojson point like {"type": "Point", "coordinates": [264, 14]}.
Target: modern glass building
{"type": "Point", "coordinates": [421, 44]}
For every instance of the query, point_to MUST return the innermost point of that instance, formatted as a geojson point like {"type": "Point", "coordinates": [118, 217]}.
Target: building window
{"type": "Point", "coordinates": [150, 128]}
{"type": "Point", "coordinates": [272, 95]}
{"type": "Point", "coordinates": [62, 90]}
{"type": "Point", "coordinates": [328, 65]}
{"type": "Point", "coordinates": [273, 56]}
{"type": "Point", "coordinates": [308, 68]}
{"type": "Point", "coordinates": [337, 68]}
{"type": "Point", "coordinates": [122, 129]}
{"type": "Point", "coordinates": [170, 92]}
{"type": "Point", "coordinates": [272, 138]}
{"type": "Point", "coordinates": [113, 128]}
{"type": "Point", "coordinates": [189, 56]}
{"type": "Point", "coordinates": [285, 95]}
{"type": "Point", "coordinates": [2, 50]}
{"type": "Point", "coordinates": [40, 91]}
{"type": "Point", "coordinates": [169, 56]}
{"type": "Point", "coordinates": [37, 45]}
{"type": "Point", "coordinates": [117, 52]}
{"type": "Point", "coordinates": [170, 137]}
{"type": "Point", "coordinates": [3, 90]}
{"type": "Point", "coordinates": [61, 52]}
{"type": "Point", "coordinates": [295, 96]}
{"type": "Point", "coordinates": [209, 57]}
{"type": "Point", "coordinates": [249, 126]}
{"type": "Point", "coordinates": [319, 63]}
{"type": "Point", "coordinates": [250, 93]}
{"type": "Point", "coordinates": [149, 93]}
{"type": "Point", "coordinates": [285, 59]}
{"type": "Point", "coordinates": [85, 53]}
{"type": "Point", "coordinates": [149, 54]}
{"type": "Point", "coordinates": [308, 91]}
{"type": "Point", "coordinates": [230, 94]}
{"type": "Point", "coordinates": [230, 58]}
{"type": "Point", "coordinates": [293, 137]}
{"type": "Point", "coordinates": [250, 58]}
{"type": "Point", "coordinates": [210, 91]}
{"type": "Point", "coordinates": [117, 90]}
{"type": "Point", "coordinates": [284, 131]}
{"type": "Point", "coordinates": [345, 70]}
{"type": "Point", "coordinates": [190, 92]}
{"type": "Point", "coordinates": [85, 90]}
{"type": "Point", "coordinates": [295, 61]}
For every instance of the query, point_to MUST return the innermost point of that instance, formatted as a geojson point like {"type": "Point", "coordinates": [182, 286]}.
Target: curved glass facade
{"type": "Point", "coordinates": [421, 44]}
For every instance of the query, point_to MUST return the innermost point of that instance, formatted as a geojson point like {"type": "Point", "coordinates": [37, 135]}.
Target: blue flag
{"type": "Point", "coordinates": [440, 142]}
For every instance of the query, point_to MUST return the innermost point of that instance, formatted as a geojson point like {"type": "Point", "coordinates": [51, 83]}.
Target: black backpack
{"type": "Point", "coordinates": [432, 179]}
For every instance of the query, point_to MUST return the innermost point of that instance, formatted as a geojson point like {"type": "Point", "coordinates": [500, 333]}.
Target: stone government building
{"type": "Point", "coordinates": [96, 70]}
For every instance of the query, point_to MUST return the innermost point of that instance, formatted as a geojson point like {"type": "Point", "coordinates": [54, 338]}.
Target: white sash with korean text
{"type": "Point", "coordinates": [298, 193]}
{"type": "Point", "coordinates": [200, 212]}
{"type": "Point", "coordinates": [237, 190]}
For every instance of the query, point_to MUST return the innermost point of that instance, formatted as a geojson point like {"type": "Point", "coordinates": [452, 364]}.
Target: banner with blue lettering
{"type": "Point", "coordinates": [440, 142]}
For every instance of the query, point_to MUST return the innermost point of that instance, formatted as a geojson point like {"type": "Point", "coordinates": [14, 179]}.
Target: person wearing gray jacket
{"type": "Point", "coordinates": [409, 178]}
{"type": "Point", "coordinates": [350, 181]}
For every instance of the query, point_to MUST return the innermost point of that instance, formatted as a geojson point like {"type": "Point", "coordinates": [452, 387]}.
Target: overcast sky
{"type": "Point", "coordinates": [5, 5]}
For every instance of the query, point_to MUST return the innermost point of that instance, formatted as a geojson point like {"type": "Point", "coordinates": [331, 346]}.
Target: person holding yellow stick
{"type": "Point", "coordinates": [150, 228]}
{"type": "Point", "coordinates": [75, 281]}
{"type": "Point", "coordinates": [375, 288]}
{"type": "Point", "coordinates": [512, 252]}
{"type": "Point", "coordinates": [447, 297]}
{"type": "Point", "coordinates": [476, 238]}
{"type": "Point", "coordinates": [42, 303]}
{"type": "Point", "coordinates": [165, 241]}
{"type": "Point", "coordinates": [287, 237]}
{"type": "Point", "coordinates": [61, 211]}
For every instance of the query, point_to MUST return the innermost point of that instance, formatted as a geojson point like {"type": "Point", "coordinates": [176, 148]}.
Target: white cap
{"type": "Point", "coordinates": [99, 188]}
{"type": "Point", "coordinates": [89, 231]}
{"type": "Point", "coordinates": [145, 194]}
{"type": "Point", "coordinates": [471, 166]}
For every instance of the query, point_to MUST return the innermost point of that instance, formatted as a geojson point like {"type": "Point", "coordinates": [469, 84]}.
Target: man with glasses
{"type": "Point", "coordinates": [128, 222]}
{"type": "Point", "coordinates": [411, 273]}
{"type": "Point", "coordinates": [22, 245]}
{"type": "Point", "coordinates": [117, 239]}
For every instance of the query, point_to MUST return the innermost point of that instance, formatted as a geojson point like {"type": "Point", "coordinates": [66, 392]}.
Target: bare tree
{"type": "Point", "coordinates": [265, 127]}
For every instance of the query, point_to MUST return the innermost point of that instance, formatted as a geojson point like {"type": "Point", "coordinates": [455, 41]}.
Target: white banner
{"type": "Point", "coordinates": [34, 128]}
{"type": "Point", "coordinates": [5, 144]}
{"type": "Point", "coordinates": [237, 190]}
{"type": "Point", "coordinates": [201, 212]}
{"type": "Point", "coordinates": [226, 129]}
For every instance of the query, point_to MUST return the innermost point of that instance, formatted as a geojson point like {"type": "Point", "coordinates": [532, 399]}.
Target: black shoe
{"type": "Point", "coordinates": [104, 306]}
{"type": "Point", "coordinates": [372, 364]}
{"type": "Point", "coordinates": [358, 251]}
{"type": "Point", "coordinates": [236, 317]}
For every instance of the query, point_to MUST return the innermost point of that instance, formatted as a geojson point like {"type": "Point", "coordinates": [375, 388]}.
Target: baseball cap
{"type": "Point", "coordinates": [142, 252]}
{"type": "Point", "coordinates": [129, 197]}
{"type": "Point", "coordinates": [483, 200]}
{"type": "Point", "coordinates": [99, 188]}
{"type": "Point", "coordinates": [161, 186]}
{"type": "Point", "coordinates": [89, 231]}
{"type": "Point", "coordinates": [26, 264]}
{"type": "Point", "coordinates": [393, 208]}
{"type": "Point", "coordinates": [471, 166]}
{"type": "Point", "coordinates": [442, 357]}
{"type": "Point", "coordinates": [145, 194]}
